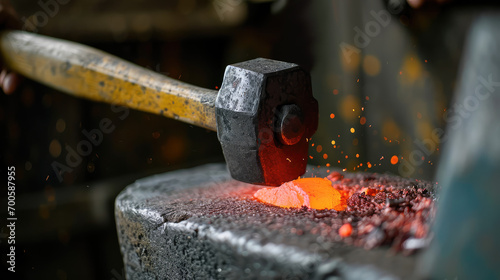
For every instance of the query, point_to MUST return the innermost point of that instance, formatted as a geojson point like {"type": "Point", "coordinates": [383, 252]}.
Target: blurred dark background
{"type": "Point", "coordinates": [377, 101]}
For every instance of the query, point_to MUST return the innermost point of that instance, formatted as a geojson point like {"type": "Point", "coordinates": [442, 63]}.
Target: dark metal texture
{"type": "Point", "coordinates": [247, 111]}
{"type": "Point", "coordinates": [200, 224]}
{"type": "Point", "coordinates": [467, 228]}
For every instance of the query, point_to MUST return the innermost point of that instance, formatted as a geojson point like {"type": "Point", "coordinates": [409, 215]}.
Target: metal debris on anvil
{"type": "Point", "coordinates": [198, 223]}
{"type": "Point", "coordinates": [388, 210]}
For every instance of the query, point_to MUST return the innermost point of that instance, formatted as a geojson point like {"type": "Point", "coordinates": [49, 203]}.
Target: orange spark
{"type": "Point", "coordinates": [394, 160]}
{"type": "Point", "coordinates": [319, 148]}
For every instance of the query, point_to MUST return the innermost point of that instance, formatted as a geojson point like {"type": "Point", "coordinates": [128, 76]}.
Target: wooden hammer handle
{"type": "Point", "coordinates": [87, 72]}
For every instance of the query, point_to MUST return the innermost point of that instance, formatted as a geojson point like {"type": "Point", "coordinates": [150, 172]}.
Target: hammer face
{"type": "Point", "coordinates": [248, 109]}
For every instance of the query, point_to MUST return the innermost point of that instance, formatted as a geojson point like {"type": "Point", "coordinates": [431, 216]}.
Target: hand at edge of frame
{"type": "Point", "coordinates": [9, 81]}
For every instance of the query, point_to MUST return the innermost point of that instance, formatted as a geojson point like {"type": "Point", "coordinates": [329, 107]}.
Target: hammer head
{"type": "Point", "coordinates": [265, 114]}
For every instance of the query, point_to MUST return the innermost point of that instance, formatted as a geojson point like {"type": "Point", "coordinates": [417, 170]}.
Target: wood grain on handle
{"type": "Point", "coordinates": [89, 73]}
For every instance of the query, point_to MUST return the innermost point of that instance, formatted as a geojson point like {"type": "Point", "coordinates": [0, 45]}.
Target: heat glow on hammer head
{"type": "Point", "coordinates": [316, 193]}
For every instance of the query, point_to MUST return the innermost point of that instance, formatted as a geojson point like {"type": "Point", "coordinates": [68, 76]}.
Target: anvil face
{"type": "Point", "coordinates": [201, 224]}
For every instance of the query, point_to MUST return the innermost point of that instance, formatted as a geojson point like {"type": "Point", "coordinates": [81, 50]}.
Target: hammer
{"type": "Point", "coordinates": [264, 112]}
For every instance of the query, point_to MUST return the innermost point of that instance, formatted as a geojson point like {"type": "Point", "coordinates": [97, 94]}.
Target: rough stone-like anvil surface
{"type": "Point", "coordinates": [200, 224]}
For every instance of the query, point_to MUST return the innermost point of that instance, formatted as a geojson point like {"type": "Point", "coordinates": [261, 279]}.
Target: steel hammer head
{"type": "Point", "coordinates": [265, 114]}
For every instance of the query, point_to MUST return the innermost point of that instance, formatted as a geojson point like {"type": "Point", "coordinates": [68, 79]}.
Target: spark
{"type": "Point", "coordinates": [394, 160]}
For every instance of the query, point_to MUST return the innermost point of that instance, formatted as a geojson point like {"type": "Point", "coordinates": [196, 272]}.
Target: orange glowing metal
{"type": "Point", "coordinates": [316, 193]}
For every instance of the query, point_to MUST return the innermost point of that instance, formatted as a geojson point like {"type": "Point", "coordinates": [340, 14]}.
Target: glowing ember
{"type": "Point", "coordinates": [316, 193]}
{"type": "Point", "coordinates": [345, 230]}
{"type": "Point", "coordinates": [371, 192]}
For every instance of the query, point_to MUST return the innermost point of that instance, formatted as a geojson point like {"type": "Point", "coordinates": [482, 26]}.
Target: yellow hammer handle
{"type": "Point", "coordinates": [90, 73]}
